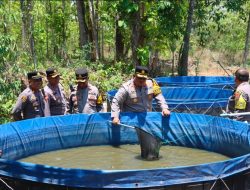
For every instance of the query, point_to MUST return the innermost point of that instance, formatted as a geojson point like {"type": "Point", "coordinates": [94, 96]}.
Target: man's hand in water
{"type": "Point", "coordinates": [116, 121]}
{"type": "Point", "coordinates": [165, 112]}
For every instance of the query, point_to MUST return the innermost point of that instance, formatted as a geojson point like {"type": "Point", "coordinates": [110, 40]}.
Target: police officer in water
{"type": "Point", "coordinates": [56, 95]}
{"type": "Point", "coordinates": [136, 95]}
{"type": "Point", "coordinates": [32, 102]}
{"type": "Point", "coordinates": [85, 98]}
{"type": "Point", "coordinates": [240, 100]}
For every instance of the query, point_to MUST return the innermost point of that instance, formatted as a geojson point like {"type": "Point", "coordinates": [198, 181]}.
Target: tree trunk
{"type": "Point", "coordinates": [32, 40]}
{"type": "Point", "coordinates": [53, 41]}
{"type": "Point", "coordinates": [93, 18]}
{"type": "Point", "coordinates": [142, 31]}
{"type": "Point", "coordinates": [63, 25]}
{"type": "Point", "coordinates": [119, 44]}
{"type": "Point", "coordinates": [136, 36]}
{"type": "Point", "coordinates": [28, 28]}
{"type": "Point", "coordinates": [83, 29]}
{"type": "Point", "coordinates": [24, 23]}
{"type": "Point", "coordinates": [97, 29]}
{"type": "Point", "coordinates": [173, 62]}
{"type": "Point", "coordinates": [173, 47]}
{"type": "Point", "coordinates": [47, 6]}
{"type": "Point", "coordinates": [246, 50]}
{"type": "Point", "coordinates": [63, 45]}
{"type": "Point", "coordinates": [153, 63]}
{"type": "Point", "coordinates": [183, 62]}
{"type": "Point", "coordinates": [102, 44]}
{"type": "Point", "coordinates": [92, 53]}
{"type": "Point", "coordinates": [47, 28]}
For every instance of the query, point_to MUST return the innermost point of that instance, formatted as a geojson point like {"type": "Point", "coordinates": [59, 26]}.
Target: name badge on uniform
{"type": "Point", "coordinates": [135, 100]}
{"type": "Point", "coordinates": [33, 97]}
{"type": "Point", "coordinates": [35, 104]}
{"type": "Point", "coordinates": [133, 92]}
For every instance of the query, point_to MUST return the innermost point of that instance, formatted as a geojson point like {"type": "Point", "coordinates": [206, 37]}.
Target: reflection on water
{"type": "Point", "coordinates": [123, 157]}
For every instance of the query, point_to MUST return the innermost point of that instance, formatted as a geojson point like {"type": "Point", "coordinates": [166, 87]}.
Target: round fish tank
{"type": "Point", "coordinates": [223, 82]}
{"type": "Point", "coordinates": [215, 134]}
{"type": "Point", "coordinates": [200, 100]}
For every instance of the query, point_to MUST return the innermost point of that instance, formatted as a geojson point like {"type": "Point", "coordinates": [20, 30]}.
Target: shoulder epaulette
{"type": "Point", "coordinates": [156, 87]}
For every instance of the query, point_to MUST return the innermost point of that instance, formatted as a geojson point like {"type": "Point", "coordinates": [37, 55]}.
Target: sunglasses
{"type": "Point", "coordinates": [38, 80]}
{"type": "Point", "coordinates": [141, 78]}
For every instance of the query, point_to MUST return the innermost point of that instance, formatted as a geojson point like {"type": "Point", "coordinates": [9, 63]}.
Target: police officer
{"type": "Point", "coordinates": [137, 94]}
{"type": "Point", "coordinates": [56, 95]}
{"type": "Point", "coordinates": [85, 98]}
{"type": "Point", "coordinates": [240, 100]}
{"type": "Point", "coordinates": [32, 101]}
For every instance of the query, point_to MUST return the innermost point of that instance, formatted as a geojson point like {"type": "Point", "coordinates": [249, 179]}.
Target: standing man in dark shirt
{"type": "Point", "coordinates": [32, 101]}
{"type": "Point", "coordinates": [56, 95]}
{"type": "Point", "coordinates": [240, 100]}
{"type": "Point", "coordinates": [85, 97]}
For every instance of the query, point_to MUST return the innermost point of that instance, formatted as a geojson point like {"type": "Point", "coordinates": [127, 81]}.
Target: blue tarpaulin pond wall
{"type": "Point", "coordinates": [33, 136]}
{"type": "Point", "coordinates": [201, 100]}
{"type": "Point", "coordinates": [222, 82]}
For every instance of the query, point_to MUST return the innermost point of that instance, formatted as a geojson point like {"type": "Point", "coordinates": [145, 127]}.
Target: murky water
{"type": "Point", "coordinates": [123, 157]}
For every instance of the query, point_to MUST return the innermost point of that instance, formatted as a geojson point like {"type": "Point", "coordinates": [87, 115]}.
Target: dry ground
{"type": "Point", "coordinates": [207, 63]}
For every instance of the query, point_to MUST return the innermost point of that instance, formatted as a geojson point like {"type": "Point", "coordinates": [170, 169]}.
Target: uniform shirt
{"type": "Point", "coordinates": [240, 101]}
{"type": "Point", "coordinates": [56, 99]}
{"type": "Point", "coordinates": [86, 100]}
{"type": "Point", "coordinates": [130, 98]}
{"type": "Point", "coordinates": [29, 105]}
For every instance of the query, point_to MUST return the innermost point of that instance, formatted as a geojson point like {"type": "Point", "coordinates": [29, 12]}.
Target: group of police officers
{"type": "Point", "coordinates": [51, 100]}
{"type": "Point", "coordinates": [135, 95]}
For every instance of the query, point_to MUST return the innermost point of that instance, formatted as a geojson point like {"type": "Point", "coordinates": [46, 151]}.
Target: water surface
{"type": "Point", "coordinates": [123, 157]}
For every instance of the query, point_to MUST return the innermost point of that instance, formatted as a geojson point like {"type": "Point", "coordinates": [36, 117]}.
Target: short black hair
{"type": "Point", "coordinates": [242, 74]}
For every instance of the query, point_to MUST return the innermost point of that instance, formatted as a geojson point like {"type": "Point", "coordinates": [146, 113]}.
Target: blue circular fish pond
{"type": "Point", "coordinates": [33, 136]}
